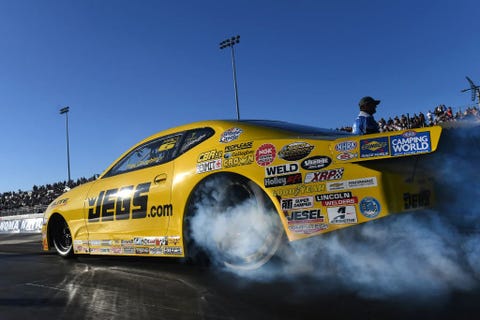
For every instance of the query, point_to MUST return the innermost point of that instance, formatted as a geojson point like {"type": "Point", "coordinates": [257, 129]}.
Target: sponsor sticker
{"type": "Point", "coordinates": [239, 146]}
{"type": "Point", "coordinates": [281, 169]}
{"type": "Point", "coordinates": [316, 163]}
{"type": "Point", "coordinates": [346, 146]}
{"type": "Point", "coordinates": [376, 147]}
{"type": "Point", "coordinates": [299, 190]}
{"type": "Point", "coordinates": [230, 135]}
{"type": "Point", "coordinates": [301, 215]}
{"type": "Point", "coordinates": [369, 207]}
{"type": "Point", "coordinates": [345, 156]}
{"type": "Point", "coordinates": [410, 142]}
{"type": "Point", "coordinates": [325, 175]}
{"type": "Point", "coordinates": [333, 196]}
{"type": "Point", "coordinates": [209, 166]}
{"type": "Point", "coordinates": [307, 228]}
{"type": "Point", "coordinates": [342, 215]}
{"type": "Point", "coordinates": [265, 154]}
{"type": "Point", "coordinates": [297, 203]}
{"type": "Point", "coordinates": [339, 202]}
{"type": "Point", "coordinates": [278, 181]}
{"type": "Point", "coordinates": [295, 151]}
{"type": "Point", "coordinates": [352, 184]}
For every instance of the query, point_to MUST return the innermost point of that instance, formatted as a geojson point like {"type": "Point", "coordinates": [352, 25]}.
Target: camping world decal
{"type": "Point", "coordinates": [410, 142]}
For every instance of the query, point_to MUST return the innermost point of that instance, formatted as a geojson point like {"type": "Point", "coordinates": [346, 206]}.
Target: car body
{"type": "Point", "coordinates": [314, 180]}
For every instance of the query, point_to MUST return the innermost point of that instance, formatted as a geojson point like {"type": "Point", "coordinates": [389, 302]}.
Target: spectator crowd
{"type": "Point", "coordinates": [36, 200]}
{"type": "Point", "coordinates": [439, 115]}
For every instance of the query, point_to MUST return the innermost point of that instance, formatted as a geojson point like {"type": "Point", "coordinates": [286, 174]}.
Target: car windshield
{"type": "Point", "coordinates": [299, 129]}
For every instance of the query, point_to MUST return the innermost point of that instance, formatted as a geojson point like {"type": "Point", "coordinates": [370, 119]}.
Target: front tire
{"type": "Point", "coordinates": [233, 221]}
{"type": "Point", "coordinates": [62, 238]}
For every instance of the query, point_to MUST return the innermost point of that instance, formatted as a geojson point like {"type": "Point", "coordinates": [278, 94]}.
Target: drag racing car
{"type": "Point", "coordinates": [165, 196]}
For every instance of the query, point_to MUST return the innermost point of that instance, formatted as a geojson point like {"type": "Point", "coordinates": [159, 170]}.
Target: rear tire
{"type": "Point", "coordinates": [220, 196]}
{"type": "Point", "coordinates": [62, 238]}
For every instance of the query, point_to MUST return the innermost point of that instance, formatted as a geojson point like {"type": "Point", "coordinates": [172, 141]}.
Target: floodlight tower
{"type": "Point", "coordinates": [475, 90]}
{"type": "Point", "coordinates": [230, 42]}
{"type": "Point", "coordinates": [65, 111]}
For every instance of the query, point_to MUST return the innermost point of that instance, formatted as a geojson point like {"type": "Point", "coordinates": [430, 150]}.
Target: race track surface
{"type": "Point", "coordinates": [37, 285]}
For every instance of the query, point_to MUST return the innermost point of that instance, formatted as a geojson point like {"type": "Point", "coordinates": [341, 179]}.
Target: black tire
{"type": "Point", "coordinates": [61, 237]}
{"type": "Point", "coordinates": [220, 194]}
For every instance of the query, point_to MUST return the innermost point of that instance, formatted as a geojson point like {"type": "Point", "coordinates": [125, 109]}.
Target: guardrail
{"type": "Point", "coordinates": [27, 223]}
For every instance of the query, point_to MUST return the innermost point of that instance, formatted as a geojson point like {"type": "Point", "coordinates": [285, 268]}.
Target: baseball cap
{"type": "Point", "coordinates": [366, 100]}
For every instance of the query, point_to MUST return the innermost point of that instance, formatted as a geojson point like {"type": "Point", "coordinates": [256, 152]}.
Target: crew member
{"type": "Point", "coordinates": [365, 122]}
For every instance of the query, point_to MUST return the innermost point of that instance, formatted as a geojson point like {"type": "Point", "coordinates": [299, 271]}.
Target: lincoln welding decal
{"type": "Point", "coordinates": [410, 142]}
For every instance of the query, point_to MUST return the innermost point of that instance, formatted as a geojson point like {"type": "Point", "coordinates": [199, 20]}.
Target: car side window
{"type": "Point", "coordinates": [195, 137]}
{"type": "Point", "coordinates": [149, 154]}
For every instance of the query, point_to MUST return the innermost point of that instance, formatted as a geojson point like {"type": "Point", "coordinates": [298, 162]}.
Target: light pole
{"type": "Point", "coordinates": [65, 111]}
{"type": "Point", "coordinates": [230, 42]}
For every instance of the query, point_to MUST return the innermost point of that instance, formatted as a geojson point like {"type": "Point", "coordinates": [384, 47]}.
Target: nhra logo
{"type": "Point", "coordinates": [316, 163]}
{"type": "Point", "coordinates": [346, 146]}
{"type": "Point", "coordinates": [334, 174]}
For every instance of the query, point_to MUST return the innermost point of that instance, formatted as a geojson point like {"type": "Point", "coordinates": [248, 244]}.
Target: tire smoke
{"type": "Point", "coordinates": [416, 256]}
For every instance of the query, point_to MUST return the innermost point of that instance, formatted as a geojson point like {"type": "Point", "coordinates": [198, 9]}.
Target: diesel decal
{"type": "Point", "coordinates": [305, 215]}
{"type": "Point", "coordinates": [282, 169]}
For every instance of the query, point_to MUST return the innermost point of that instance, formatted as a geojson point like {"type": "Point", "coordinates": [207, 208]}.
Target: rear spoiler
{"type": "Point", "coordinates": [384, 145]}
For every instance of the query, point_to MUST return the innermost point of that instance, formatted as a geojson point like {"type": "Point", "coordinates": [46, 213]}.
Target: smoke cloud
{"type": "Point", "coordinates": [423, 254]}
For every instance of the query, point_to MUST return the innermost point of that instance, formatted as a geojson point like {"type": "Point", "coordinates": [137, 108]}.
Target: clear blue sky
{"type": "Point", "coordinates": [128, 69]}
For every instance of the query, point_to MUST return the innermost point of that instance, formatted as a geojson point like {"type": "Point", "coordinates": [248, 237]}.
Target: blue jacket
{"type": "Point", "coordinates": [365, 124]}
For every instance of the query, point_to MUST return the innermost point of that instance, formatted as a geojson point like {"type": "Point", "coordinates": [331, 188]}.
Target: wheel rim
{"type": "Point", "coordinates": [262, 238]}
{"type": "Point", "coordinates": [63, 238]}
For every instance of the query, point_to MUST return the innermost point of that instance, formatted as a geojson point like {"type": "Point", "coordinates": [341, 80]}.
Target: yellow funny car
{"type": "Point", "coordinates": [164, 195]}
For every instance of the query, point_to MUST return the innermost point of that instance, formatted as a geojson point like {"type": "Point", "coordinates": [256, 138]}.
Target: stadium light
{"type": "Point", "coordinates": [230, 42]}
{"type": "Point", "coordinates": [65, 111]}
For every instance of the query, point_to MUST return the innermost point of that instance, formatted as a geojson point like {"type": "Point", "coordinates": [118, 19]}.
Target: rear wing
{"type": "Point", "coordinates": [384, 145]}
